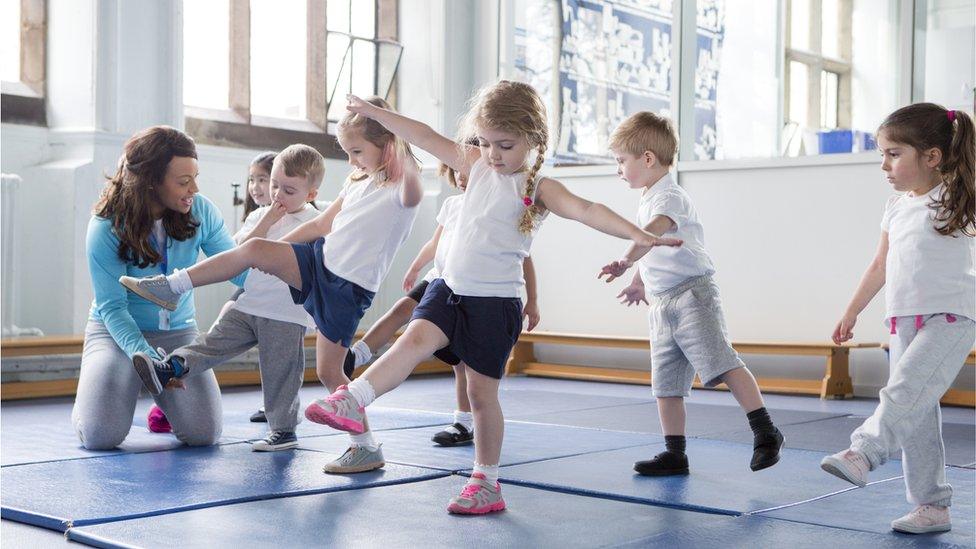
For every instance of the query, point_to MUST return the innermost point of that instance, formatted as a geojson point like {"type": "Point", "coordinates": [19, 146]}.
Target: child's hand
{"type": "Point", "coordinates": [615, 269]}
{"type": "Point", "coordinates": [356, 105]}
{"type": "Point", "coordinates": [648, 239]}
{"type": "Point", "coordinates": [531, 311]}
{"type": "Point", "coordinates": [844, 331]}
{"type": "Point", "coordinates": [633, 294]}
{"type": "Point", "coordinates": [274, 214]}
{"type": "Point", "coordinates": [176, 383]}
{"type": "Point", "coordinates": [409, 280]}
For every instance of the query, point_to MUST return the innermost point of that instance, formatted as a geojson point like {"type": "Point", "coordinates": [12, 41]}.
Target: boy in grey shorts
{"type": "Point", "coordinates": [688, 334]}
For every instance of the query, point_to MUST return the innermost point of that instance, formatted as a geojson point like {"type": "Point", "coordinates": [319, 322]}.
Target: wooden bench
{"type": "Point", "coordinates": [836, 382]}
{"type": "Point", "coordinates": [72, 345]}
{"type": "Point", "coordinates": [956, 397]}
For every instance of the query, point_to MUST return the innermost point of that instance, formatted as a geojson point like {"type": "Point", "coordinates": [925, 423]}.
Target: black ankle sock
{"type": "Point", "coordinates": [675, 443]}
{"type": "Point", "coordinates": [349, 364]}
{"type": "Point", "coordinates": [759, 421]}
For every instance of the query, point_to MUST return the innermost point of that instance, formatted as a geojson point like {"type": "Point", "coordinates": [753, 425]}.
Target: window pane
{"type": "Point", "coordinates": [829, 87]}
{"type": "Point", "coordinates": [206, 54]}
{"type": "Point", "coordinates": [799, 80]}
{"type": "Point", "coordinates": [950, 42]}
{"type": "Point", "coordinates": [800, 24]}
{"type": "Point", "coordinates": [364, 18]}
{"type": "Point", "coordinates": [337, 15]}
{"type": "Point", "coordinates": [336, 53]}
{"type": "Point", "coordinates": [10, 43]}
{"type": "Point", "coordinates": [388, 58]}
{"type": "Point", "coordinates": [363, 68]}
{"type": "Point", "coordinates": [278, 55]}
{"type": "Point", "coordinates": [830, 18]}
{"type": "Point", "coordinates": [874, 85]}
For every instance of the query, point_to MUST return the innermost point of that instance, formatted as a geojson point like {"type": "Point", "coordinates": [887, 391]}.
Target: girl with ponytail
{"type": "Point", "coordinates": [474, 310]}
{"type": "Point", "coordinates": [925, 262]}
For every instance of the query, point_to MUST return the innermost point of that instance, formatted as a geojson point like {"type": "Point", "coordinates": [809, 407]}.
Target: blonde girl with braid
{"type": "Point", "coordinates": [474, 309]}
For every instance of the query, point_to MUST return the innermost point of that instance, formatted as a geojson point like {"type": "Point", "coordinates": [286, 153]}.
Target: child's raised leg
{"type": "Point", "coordinates": [462, 430]}
{"type": "Point", "coordinates": [378, 334]}
{"type": "Point", "coordinates": [482, 494]}
{"type": "Point", "coordinates": [766, 438]}
{"type": "Point", "coordinates": [673, 460]}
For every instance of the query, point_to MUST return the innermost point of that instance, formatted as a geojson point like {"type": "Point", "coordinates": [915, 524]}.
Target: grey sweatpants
{"type": "Point", "coordinates": [924, 363]}
{"type": "Point", "coordinates": [281, 356]}
{"type": "Point", "coordinates": [109, 386]}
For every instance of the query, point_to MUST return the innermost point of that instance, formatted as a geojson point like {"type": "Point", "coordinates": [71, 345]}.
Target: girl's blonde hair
{"type": "Point", "coordinates": [516, 108]}
{"type": "Point", "coordinates": [924, 126]}
{"type": "Point", "coordinates": [396, 151]}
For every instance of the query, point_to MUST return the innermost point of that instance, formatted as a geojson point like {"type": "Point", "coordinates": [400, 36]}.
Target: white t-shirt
{"type": "Point", "coordinates": [487, 250]}
{"type": "Point", "coordinates": [665, 267]}
{"type": "Point", "coordinates": [265, 295]}
{"type": "Point", "coordinates": [445, 218]}
{"type": "Point", "coordinates": [926, 272]}
{"type": "Point", "coordinates": [367, 232]}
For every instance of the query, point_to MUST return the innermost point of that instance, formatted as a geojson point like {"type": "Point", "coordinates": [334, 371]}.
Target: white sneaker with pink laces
{"type": "Point", "coordinates": [478, 497]}
{"type": "Point", "coordinates": [849, 465]}
{"type": "Point", "coordinates": [923, 520]}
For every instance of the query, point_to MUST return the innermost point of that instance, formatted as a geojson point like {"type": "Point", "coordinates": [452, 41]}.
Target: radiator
{"type": "Point", "coordinates": [9, 302]}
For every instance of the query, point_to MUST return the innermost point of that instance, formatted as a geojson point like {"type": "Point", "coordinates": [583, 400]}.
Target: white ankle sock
{"type": "Point", "coordinates": [179, 281]}
{"type": "Point", "coordinates": [362, 352]}
{"type": "Point", "coordinates": [490, 471]}
{"type": "Point", "coordinates": [362, 391]}
{"type": "Point", "coordinates": [464, 418]}
{"type": "Point", "coordinates": [366, 440]}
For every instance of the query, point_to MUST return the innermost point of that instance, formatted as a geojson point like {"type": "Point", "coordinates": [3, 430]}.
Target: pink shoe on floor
{"type": "Point", "coordinates": [478, 497]}
{"type": "Point", "coordinates": [157, 422]}
{"type": "Point", "coordinates": [339, 411]}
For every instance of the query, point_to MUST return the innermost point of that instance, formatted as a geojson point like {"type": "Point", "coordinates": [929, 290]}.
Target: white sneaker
{"type": "Point", "coordinates": [849, 465]}
{"type": "Point", "coordinates": [923, 520]}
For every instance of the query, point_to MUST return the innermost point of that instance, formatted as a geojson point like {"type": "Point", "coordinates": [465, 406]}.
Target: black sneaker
{"type": "Point", "coordinates": [664, 464]}
{"type": "Point", "coordinates": [349, 366]}
{"type": "Point", "coordinates": [156, 374]}
{"type": "Point", "coordinates": [276, 440]}
{"type": "Point", "coordinates": [765, 449]}
{"type": "Point", "coordinates": [455, 435]}
{"type": "Point", "coordinates": [259, 417]}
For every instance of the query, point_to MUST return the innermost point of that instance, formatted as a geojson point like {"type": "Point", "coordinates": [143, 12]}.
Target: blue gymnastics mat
{"type": "Point", "coordinates": [756, 531]}
{"type": "Point", "coordinates": [833, 435]}
{"type": "Point", "coordinates": [406, 515]}
{"type": "Point", "coordinates": [237, 425]}
{"type": "Point", "coordinates": [701, 418]}
{"type": "Point", "coordinates": [720, 479]}
{"type": "Point", "coordinates": [22, 536]}
{"type": "Point", "coordinates": [524, 442]}
{"type": "Point", "coordinates": [59, 494]}
{"type": "Point", "coordinates": [872, 508]}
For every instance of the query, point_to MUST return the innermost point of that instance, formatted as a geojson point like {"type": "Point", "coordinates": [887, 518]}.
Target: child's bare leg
{"type": "Point", "coordinates": [420, 340]}
{"type": "Point", "coordinates": [673, 461]}
{"type": "Point", "coordinates": [489, 423]}
{"type": "Point", "coordinates": [328, 362]}
{"type": "Point", "coordinates": [461, 388]}
{"type": "Point", "coordinates": [744, 388]}
{"type": "Point", "coordinates": [672, 412]}
{"type": "Point", "coordinates": [767, 440]}
{"type": "Point", "coordinates": [271, 256]}
{"type": "Point", "coordinates": [382, 331]}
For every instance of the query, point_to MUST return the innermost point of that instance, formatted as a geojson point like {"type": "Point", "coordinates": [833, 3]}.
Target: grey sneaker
{"type": "Point", "coordinates": [924, 519]}
{"type": "Point", "coordinates": [276, 440]}
{"type": "Point", "coordinates": [156, 374]}
{"type": "Point", "coordinates": [154, 288]}
{"type": "Point", "coordinates": [357, 459]}
{"type": "Point", "coordinates": [849, 465]}
{"type": "Point", "coordinates": [478, 497]}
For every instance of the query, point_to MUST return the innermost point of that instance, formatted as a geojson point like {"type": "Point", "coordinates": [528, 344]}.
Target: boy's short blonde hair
{"type": "Point", "coordinates": [646, 131]}
{"type": "Point", "coordinates": [302, 161]}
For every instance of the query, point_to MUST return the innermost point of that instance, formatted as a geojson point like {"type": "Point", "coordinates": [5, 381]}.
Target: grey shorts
{"type": "Point", "coordinates": [688, 337]}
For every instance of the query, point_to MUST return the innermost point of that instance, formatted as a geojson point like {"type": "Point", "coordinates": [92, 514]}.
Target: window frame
{"type": "Point", "coordinates": [23, 102]}
{"type": "Point", "coordinates": [236, 126]}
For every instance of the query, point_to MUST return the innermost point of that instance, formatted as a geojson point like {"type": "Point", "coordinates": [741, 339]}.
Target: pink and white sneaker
{"type": "Point", "coordinates": [849, 465]}
{"type": "Point", "coordinates": [478, 497]}
{"type": "Point", "coordinates": [339, 411]}
{"type": "Point", "coordinates": [923, 520]}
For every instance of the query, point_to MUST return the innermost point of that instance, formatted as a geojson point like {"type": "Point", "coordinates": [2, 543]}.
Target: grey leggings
{"type": "Point", "coordinates": [109, 387]}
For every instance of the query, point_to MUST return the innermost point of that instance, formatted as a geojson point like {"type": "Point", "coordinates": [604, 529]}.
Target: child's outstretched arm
{"type": "Point", "coordinates": [458, 158]}
{"type": "Point", "coordinates": [411, 190]}
{"type": "Point", "coordinates": [316, 228]}
{"type": "Point", "coordinates": [531, 309]}
{"type": "Point", "coordinates": [556, 198]}
{"type": "Point", "coordinates": [424, 256]}
{"type": "Point", "coordinates": [660, 224]}
{"type": "Point", "coordinates": [872, 282]}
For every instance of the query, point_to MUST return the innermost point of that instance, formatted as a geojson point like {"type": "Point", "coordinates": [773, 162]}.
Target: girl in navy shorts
{"type": "Point", "coordinates": [474, 309]}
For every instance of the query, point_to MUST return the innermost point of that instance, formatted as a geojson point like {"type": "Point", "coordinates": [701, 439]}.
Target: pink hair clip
{"type": "Point", "coordinates": [951, 114]}
{"type": "Point", "coordinates": [527, 200]}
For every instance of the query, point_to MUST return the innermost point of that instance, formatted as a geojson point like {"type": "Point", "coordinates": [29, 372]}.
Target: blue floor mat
{"type": "Point", "coordinates": [237, 424]}
{"type": "Point", "coordinates": [83, 491]}
{"type": "Point", "coordinates": [833, 435]}
{"type": "Point", "coordinates": [524, 442]}
{"type": "Point", "coordinates": [23, 536]}
{"type": "Point", "coordinates": [720, 479]}
{"type": "Point", "coordinates": [406, 515]}
{"type": "Point", "coordinates": [872, 508]}
{"type": "Point", "coordinates": [756, 531]}
{"type": "Point", "coordinates": [701, 418]}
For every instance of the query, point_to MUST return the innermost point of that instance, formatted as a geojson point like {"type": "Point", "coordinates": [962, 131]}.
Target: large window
{"type": "Point", "coordinates": [22, 66]}
{"type": "Point", "coordinates": [263, 74]}
{"type": "Point", "coordinates": [945, 47]}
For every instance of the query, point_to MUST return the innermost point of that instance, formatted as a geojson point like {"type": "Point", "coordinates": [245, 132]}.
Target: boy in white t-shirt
{"type": "Point", "coordinates": [264, 315]}
{"type": "Point", "coordinates": [688, 333]}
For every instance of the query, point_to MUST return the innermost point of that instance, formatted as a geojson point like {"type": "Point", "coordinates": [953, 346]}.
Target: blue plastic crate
{"type": "Point", "coordinates": [836, 141]}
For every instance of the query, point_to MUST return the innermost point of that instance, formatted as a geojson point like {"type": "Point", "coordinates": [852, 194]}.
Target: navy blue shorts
{"type": "Point", "coordinates": [444, 355]}
{"type": "Point", "coordinates": [481, 330]}
{"type": "Point", "coordinates": [335, 304]}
